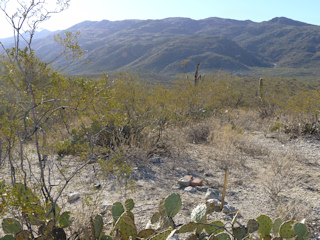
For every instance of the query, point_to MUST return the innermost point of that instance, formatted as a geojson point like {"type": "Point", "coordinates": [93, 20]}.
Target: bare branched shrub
{"type": "Point", "coordinates": [278, 177]}
{"type": "Point", "coordinates": [249, 146]}
{"type": "Point", "coordinates": [225, 152]}
{"type": "Point", "coordinates": [198, 132]}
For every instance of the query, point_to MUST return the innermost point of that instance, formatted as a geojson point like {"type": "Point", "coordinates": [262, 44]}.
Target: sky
{"type": "Point", "coordinates": [113, 10]}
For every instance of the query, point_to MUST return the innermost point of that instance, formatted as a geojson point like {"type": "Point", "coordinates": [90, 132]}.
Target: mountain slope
{"type": "Point", "coordinates": [165, 46]}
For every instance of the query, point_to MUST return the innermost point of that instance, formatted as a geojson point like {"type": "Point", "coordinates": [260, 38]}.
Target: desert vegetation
{"type": "Point", "coordinates": [53, 127]}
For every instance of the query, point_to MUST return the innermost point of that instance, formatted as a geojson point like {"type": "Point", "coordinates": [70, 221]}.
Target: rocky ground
{"type": "Point", "coordinates": [268, 175]}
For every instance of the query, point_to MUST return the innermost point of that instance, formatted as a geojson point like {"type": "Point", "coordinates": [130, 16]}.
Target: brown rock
{"type": "Point", "coordinates": [188, 177]}
{"type": "Point", "coordinates": [196, 182]}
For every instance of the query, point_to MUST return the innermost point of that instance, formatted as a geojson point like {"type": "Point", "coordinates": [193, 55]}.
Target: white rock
{"type": "Point", "coordinates": [190, 189]}
{"type": "Point", "coordinates": [215, 202]}
{"type": "Point", "coordinates": [213, 194]}
{"type": "Point", "coordinates": [184, 182]}
{"type": "Point", "coordinates": [73, 196]}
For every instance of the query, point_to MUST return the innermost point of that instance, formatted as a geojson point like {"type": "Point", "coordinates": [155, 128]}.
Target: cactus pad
{"type": "Point", "coordinates": [10, 225]}
{"type": "Point", "coordinates": [98, 225]}
{"type": "Point", "coordinates": [172, 204]}
{"type": "Point", "coordinates": [239, 233]}
{"type": "Point", "coordinates": [300, 229]}
{"type": "Point", "coordinates": [221, 236]}
{"type": "Point", "coordinates": [105, 237]}
{"type": "Point", "coordinates": [252, 225]}
{"type": "Point", "coordinates": [189, 227]}
{"type": "Point", "coordinates": [64, 220]}
{"type": "Point", "coordinates": [161, 236]}
{"type": "Point", "coordinates": [286, 230]}
{"type": "Point", "coordinates": [167, 222]}
{"type": "Point", "coordinates": [8, 237]}
{"type": "Point", "coordinates": [198, 214]}
{"type": "Point", "coordinates": [276, 225]}
{"type": "Point", "coordinates": [117, 210]}
{"type": "Point", "coordinates": [128, 229]}
{"type": "Point", "coordinates": [214, 227]}
{"type": "Point", "coordinates": [129, 204]}
{"type": "Point", "coordinates": [265, 225]}
{"type": "Point", "coordinates": [126, 226]}
{"type": "Point", "coordinates": [145, 233]}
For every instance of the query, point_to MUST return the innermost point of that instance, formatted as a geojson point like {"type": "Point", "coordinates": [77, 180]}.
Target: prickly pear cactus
{"type": "Point", "coordinates": [129, 204]}
{"type": "Point", "coordinates": [300, 229]}
{"type": "Point", "coordinates": [117, 210]}
{"type": "Point", "coordinates": [11, 226]}
{"type": "Point", "coordinates": [161, 235]}
{"type": "Point", "coordinates": [64, 220]}
{"type": "Point", "coordinates": [220, 236]}
{"type": "Point", "coordinates": [145, 233]}
{"type": "Point", "coordinates": [198, 214]}
{"type": "Point", "coordinates": [276, 226]}
{"type": "Point", "coordinates": [286, 230]}
{"type": "Point", "coordinates": [125, 226]}
{"type": "Point", "coordinates": [265, 225]}
{"type": "Point", "coordinates": [98, 226]}
{"type": "Point", "coordinates": [189, 227]}
{"type": "Point", "coordinates": [215, 227]}
{"type": "Point", "coordinates": [172, 204]}
{"type": "Point", "coordinates": [105, 237]}
{"type": "Point", "coordinates": [239, 233]}
{"type": "Point", "coordinates": [168, 208]}
{"type": "Point", "coordinates": [8, 237]}
{"type": "Point", "coordinates": [252, 225]}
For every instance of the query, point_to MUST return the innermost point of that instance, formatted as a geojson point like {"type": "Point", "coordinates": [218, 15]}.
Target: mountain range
{"type": "Point", "coordinates": [175, 45]}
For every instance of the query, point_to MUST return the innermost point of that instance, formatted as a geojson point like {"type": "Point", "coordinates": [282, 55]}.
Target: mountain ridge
{"type": "Point", "coordinates": [162, 46]}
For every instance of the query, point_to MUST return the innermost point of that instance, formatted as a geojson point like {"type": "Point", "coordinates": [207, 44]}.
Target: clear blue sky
{"type": "Point", "coordinates": [255, 10]}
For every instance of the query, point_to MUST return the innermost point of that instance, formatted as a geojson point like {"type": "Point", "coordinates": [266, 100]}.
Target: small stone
{"type": "Point", "coordinates": [208, 174]}
{"type": "Point", "coordinates": [184, 182]}
{"type": "Point", "coordinates": [202, 188]}
{"type": "Point", "coordinates": [196, 182]}
{"type": "Point", "coordinates": [229, 210]}
{"type": "Point", "coordinates": [156, 160]}
{"type": "Point", "coordinates": [177, 186]}
{"type": "Point", "coordinates": [72, 197]}
{"type": "Point", "coordinates": [190, 189]}
{"type": "Point", "coordinates": [215, 202]}
{"type": "Point", "coordinates": [188, 177]}
{"type": "Point", "coordinates": [213, 194]}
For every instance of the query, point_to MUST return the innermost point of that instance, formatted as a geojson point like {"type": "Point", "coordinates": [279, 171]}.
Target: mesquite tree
{"type": "Point", "coordinates": [37, 100]}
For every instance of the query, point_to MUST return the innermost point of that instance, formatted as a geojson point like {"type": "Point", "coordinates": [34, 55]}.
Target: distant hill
{"type": "Point", "coordinates": [175, 45]}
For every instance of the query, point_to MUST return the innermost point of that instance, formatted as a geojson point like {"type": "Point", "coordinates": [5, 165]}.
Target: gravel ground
{"type": "Point", "coordinates": [267, 176]}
